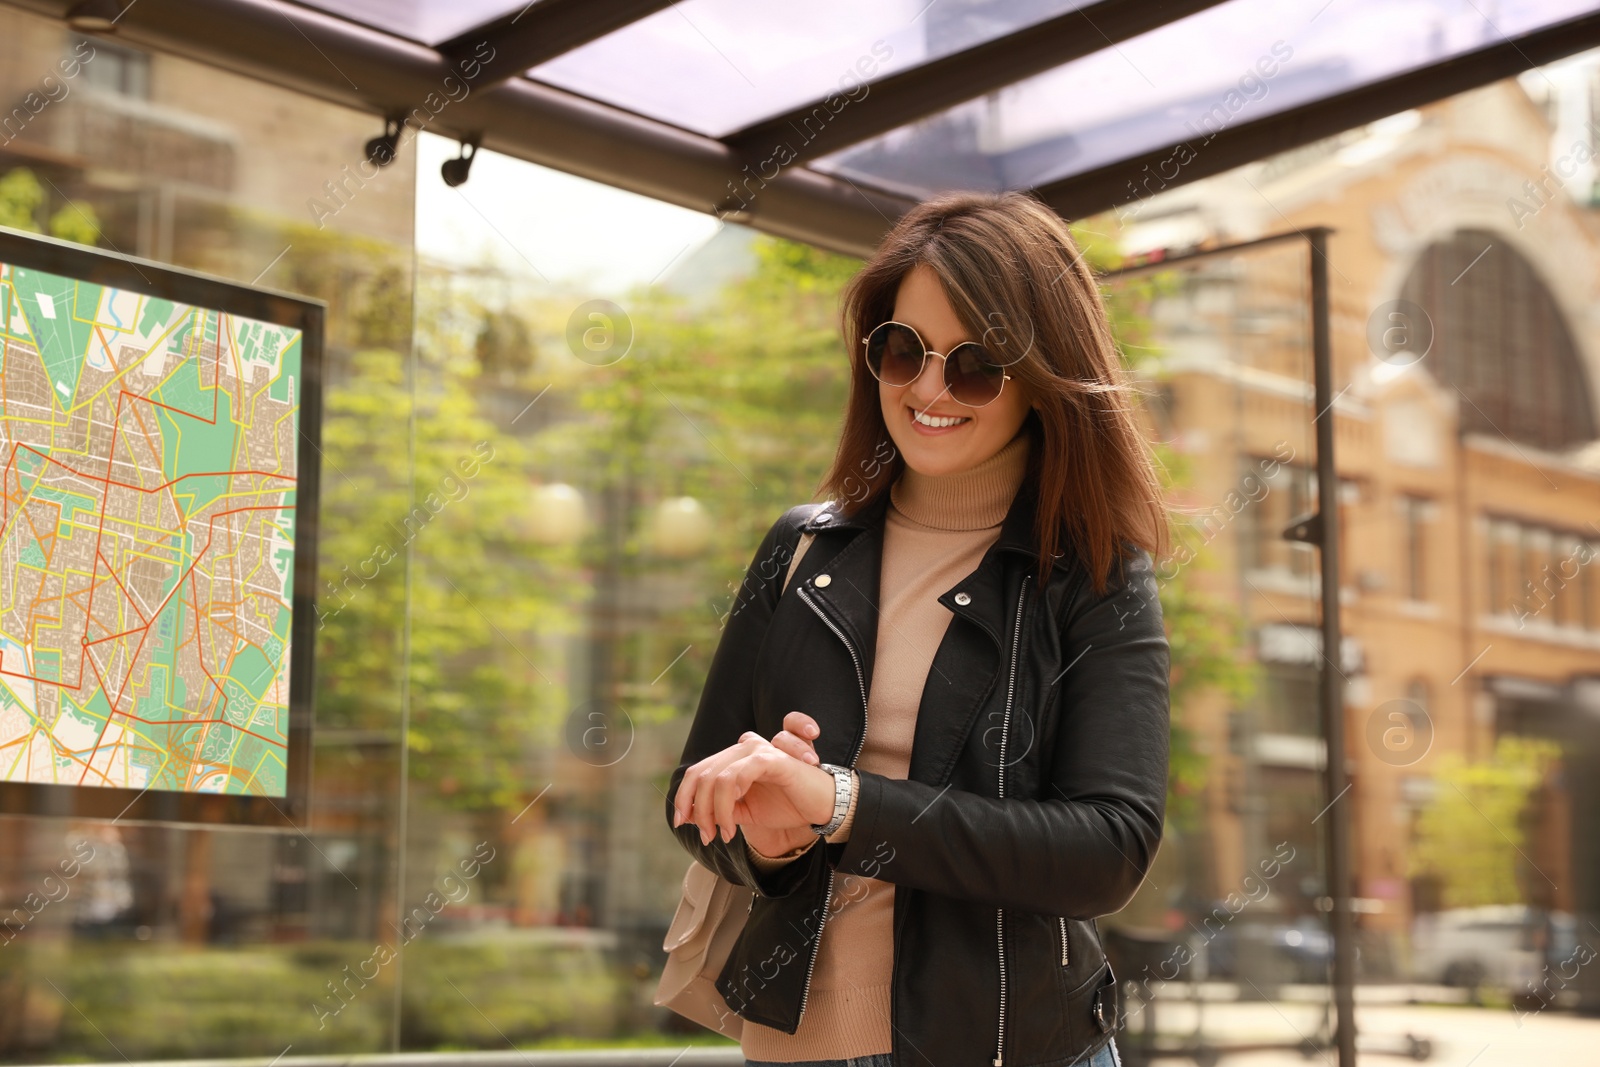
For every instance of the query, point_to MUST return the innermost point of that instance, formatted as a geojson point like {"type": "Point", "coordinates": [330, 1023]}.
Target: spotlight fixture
{"type": "Point", "coordinates": [383, 148]}
{"type": "Point", "coordinates": [94, 16]}
{"type": "Point", "coordinates": [455, 171]}
{"type": "Point", "coordinates": [733, 209]}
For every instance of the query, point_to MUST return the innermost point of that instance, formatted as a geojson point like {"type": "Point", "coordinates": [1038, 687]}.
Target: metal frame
{"type": "Point", "coordinates": [231, 298]}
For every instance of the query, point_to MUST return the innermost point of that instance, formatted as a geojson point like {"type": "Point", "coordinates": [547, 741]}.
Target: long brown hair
{"type": "Point", "coordinates": [1015, 278]}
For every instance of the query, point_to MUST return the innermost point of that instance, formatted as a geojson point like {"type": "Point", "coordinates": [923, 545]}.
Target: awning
{"type": "Point", "coordinates": [823, 120]}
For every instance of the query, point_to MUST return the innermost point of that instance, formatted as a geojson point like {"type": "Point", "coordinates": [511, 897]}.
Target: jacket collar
{"type": "Point", "coordinates": [1016, 531]}
{"type": "Point", "coordinates": [852, 574]}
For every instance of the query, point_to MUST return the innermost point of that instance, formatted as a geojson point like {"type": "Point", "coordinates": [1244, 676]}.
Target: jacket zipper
{"type": "Point", "coordinates": [1005, 729]}
{"type": "Point", "coordinates": [1063, 941]}
{"type": "Point", "coordinates": [827, 897]}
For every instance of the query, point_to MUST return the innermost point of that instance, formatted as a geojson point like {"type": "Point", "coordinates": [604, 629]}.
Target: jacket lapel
{"type": "Point", "coordinates": [844, 588]}
{"type": "Point", "coordinates": [966, 665]}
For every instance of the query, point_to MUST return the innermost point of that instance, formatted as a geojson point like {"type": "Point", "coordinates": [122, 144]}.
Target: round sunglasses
{"type": "Point", "coordinates": [896, 356]}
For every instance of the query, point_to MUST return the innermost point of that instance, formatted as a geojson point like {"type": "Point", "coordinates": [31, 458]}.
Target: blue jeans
{"type": "Point", "coordinates": [1106, 1057]}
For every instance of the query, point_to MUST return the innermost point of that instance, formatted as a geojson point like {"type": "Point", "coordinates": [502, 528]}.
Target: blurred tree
{"type": "Point", "coordinates": [22, 199]}
{"type": "Point", "coordinates": [75, 221]}
{"type": "Point", "coordinates": [1470, 838]}
{"type": "Point", "coordinates": [504, 347]}
{"type": "Point", "coordinates": [424, 472]}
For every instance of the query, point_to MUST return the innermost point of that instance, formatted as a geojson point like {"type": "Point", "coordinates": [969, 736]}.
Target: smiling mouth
{"type": "Point", "coordinates": [937, 422]}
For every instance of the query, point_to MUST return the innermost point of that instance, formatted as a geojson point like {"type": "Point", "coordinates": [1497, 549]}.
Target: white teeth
{"type": "Point", "coordinates": [937, 420]}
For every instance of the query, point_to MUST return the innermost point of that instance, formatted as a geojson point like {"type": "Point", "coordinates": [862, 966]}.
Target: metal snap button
{"type": "Point", "coordinates": [821, 581]}
{"type": "Point", "coordinates": [823, 517]}
{"type": "Point", "coordinates": [963, 599]}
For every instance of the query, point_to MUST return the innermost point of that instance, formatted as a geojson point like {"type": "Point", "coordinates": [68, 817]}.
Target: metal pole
{"type": "Point", "coordinates": [1332, 698]}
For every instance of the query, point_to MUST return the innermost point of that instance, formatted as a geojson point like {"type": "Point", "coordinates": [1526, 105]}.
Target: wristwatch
{"type": "Point", "coordinates": [843, 786]}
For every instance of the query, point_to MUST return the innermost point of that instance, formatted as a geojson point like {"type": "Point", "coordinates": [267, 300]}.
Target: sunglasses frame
{"type": "Point", "coordinates": [926, 352]}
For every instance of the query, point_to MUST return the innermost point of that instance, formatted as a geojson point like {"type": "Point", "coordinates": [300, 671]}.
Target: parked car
{"type": "Point", "coordinates": [1500, 946]}
{"type": "Point", "coordinates": [1278, 948]}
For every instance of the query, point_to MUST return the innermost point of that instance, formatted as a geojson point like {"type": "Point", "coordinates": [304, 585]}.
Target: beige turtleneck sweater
{"type": "Point", "coordinates": [936, 531]}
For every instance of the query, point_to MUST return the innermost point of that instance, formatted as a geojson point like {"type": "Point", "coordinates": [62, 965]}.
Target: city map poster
{"type": "Point", "coordinates": [151, 484]}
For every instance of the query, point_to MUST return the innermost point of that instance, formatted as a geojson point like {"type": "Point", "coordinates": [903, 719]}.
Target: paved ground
{"type": "Point", "coordinates": [1461, 1036]}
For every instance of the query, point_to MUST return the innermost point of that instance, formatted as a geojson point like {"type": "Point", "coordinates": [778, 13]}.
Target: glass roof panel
{"type": "Point", "coordinates": [1230, 64]}
{"type": "Point", "coordinates": [716, 66]}
{"type": "Point", "coordinates": [427, 21]}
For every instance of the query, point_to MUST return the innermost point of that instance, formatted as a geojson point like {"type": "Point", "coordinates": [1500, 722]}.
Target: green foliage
{"type": "Point", "coordinates": [164, 1002]}
{"type": "Point", "coordinates": [484, 993]}
{"type": "Point", "coordinates": [1471, 838]}
{"type": "Point", "coordinates": [1204, 635]}
{"type": "Point", "coordinates": [22, 198]}
{"type": "Point", "coordinates": [432, 484]}
{"type": "Point", "coordinates": [808, 268]}
{"type": "Point", "coordinates": [75, 222]}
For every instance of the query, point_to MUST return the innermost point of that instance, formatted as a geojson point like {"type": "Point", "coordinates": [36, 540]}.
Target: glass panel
{"type": "Point", "coordinates": [151, 941]}
{"type": "Point", "coordinates": [715, 66]}
{"type": "Point", "coordinates": [1186, 82]}
{"type": "Point", "coordinates": [1466, 437]}
{"type": "Point", "coordinates": [428, 21]}
{"type": "Point", "coordinates": [1233, 914]}
{"type": "Point", "coordinates": [655, 389]}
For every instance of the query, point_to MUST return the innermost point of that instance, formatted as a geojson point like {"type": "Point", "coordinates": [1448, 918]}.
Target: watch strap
{"type": "Point", "coordinates": [843, 790]}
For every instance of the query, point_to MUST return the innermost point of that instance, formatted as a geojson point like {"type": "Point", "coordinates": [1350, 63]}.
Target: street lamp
{"type": "Point", "coordinates": [556, 516]}
{"type": "Point", "coordinates": [680, 528]}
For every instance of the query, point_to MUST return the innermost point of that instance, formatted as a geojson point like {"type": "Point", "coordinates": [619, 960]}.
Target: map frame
{"type": "Point", "coordinates": [144, 277]}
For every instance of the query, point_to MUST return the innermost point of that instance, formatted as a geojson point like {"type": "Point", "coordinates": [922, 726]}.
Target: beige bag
{"type": "Point", "coordinates": [709, 919]}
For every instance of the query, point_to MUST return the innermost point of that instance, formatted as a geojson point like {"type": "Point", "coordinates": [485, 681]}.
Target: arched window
{"type": "Point", "coordinates": [1500, 339]}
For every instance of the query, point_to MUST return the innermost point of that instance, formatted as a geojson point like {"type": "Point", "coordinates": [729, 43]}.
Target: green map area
{"type": "Point", "coordinates": [147, 501]}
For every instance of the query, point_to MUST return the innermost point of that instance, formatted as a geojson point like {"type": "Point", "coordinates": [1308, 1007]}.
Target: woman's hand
{"type": "Point", "coordinates": [772, 788]}
{"type": "Point", "coordinates": [796, 737]}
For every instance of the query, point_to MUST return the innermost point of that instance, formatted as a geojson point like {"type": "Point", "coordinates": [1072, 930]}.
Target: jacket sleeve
{"type": "Point", "coordinates": [1083, 847]}
{"type": "Point", "coordinates": [727, 709]}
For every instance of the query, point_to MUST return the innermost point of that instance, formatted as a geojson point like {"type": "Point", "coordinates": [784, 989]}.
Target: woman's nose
{"type": "Point", "coordinates": [930, 383]}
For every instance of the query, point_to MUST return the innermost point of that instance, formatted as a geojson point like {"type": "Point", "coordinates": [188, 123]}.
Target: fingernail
{"type": "Point", "coordinates": [812, 731]}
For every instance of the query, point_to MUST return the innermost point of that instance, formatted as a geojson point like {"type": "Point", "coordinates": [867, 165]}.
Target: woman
{"type": "Point", "coordinates": [935, 744]}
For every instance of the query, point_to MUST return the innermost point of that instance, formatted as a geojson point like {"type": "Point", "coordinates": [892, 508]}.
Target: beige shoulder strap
{"type": "Point", "coordinates": [800, 550]}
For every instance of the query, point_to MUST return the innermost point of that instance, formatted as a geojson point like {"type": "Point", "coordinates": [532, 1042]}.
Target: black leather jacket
{"type": "Point", "coordinates": [1033, 803]}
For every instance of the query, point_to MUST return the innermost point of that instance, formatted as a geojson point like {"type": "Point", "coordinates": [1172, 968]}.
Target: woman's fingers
{"type": "Point", "coordinates": [797, 737]}
{"type": "Point", "coordinates": [726, 789]}
{"type": "Point", "coordinates": [801, 750]}
{"type": "Point", "coordinates": [693, 799]}
{"type": "Point", "coordinates": [802, 726]}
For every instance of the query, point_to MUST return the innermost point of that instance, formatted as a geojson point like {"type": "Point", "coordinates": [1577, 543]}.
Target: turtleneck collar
{"type": "Point", "coordinates": [973, 499]}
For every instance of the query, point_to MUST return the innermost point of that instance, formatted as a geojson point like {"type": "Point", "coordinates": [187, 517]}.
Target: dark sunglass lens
{"type": "Point", "coordinates": [974, 378]}
{"type": "Point", "coordinates": [894, 354]}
